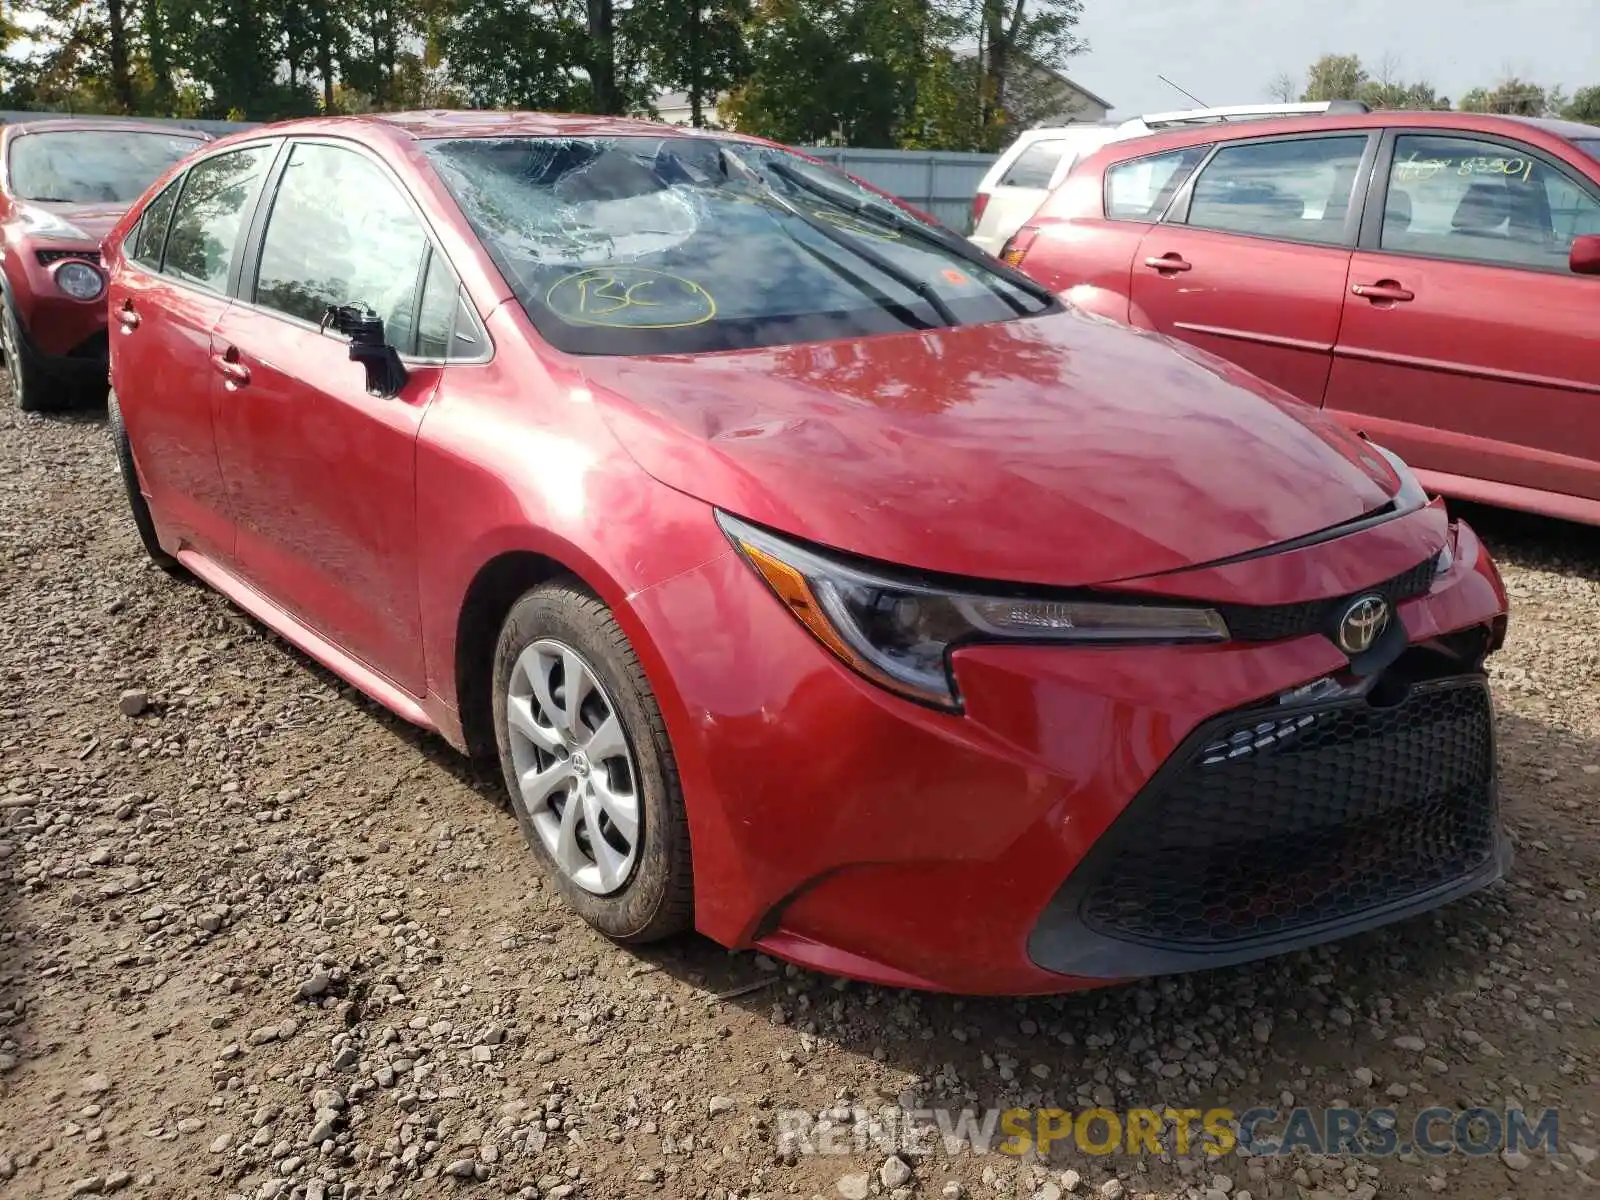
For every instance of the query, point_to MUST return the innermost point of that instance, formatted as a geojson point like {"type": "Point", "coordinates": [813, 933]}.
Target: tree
{"type": "Point", "coordinates": [1515, 97]}
{"type": "Point", "coordinates": [694, 46]}
{"type": "Point", "coordinates": [1335, 77]}
{"type": "Point", "coordinates": [1283, 88]}
{"type": "Point", "coordinates": [1016, 39]}
{"type": "Point", "coordinates": [1584, 106]}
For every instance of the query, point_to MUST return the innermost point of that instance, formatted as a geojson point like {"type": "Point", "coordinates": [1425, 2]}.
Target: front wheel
{"type": "Point", "coordinates": [32, 387]}
{"type": "Point", "coordinates": [588, 765]}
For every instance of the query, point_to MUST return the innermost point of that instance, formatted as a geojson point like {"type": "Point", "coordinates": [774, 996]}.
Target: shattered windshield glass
{"type": "Point", "coordinates": [679, 244]}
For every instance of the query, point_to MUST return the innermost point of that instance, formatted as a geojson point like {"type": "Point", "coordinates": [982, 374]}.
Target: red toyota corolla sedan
{"type": "Point", "coordinates": [63, 185]}
{"type": "Point", "coordinates": [818, 581]}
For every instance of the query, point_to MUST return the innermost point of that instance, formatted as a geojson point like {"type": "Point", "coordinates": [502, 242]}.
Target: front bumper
{"type": "Point", "coordinates": [846, 830]}
{"type": "Point", "coordinates": [68, 336]}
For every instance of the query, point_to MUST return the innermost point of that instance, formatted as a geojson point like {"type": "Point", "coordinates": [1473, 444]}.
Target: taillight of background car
{"type": "Point", "coordinates": [1016, 249]}
{"type": "Point", "coordinates": [979, 203]}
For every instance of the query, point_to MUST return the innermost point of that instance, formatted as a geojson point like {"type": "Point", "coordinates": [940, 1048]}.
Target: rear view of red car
{"type": "Point", "coordinates": [1428, 278]}
{"type": "Point", "coordinates": [63, 184]}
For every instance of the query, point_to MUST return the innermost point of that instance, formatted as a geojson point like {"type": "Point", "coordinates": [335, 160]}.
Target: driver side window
{"type": "Point", "coordinates": [1478, 201]}
{"type": "Point", "coordinates": [339, 232]}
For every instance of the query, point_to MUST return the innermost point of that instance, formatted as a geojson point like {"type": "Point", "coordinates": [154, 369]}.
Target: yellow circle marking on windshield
{"type": "Point", "coordinates": [851, 223]}
{"type": "Point", "coordinates": [630, 298]}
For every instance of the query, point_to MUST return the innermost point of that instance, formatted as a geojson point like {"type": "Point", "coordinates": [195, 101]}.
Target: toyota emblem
{"type": "Point", "coordinates": [1363, 624]}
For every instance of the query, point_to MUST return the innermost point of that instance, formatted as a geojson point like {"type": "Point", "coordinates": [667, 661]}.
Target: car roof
{"type": "Point", "coordinates": [1460, 122]}
{"type": "Point", "coordinates": [101, 125]}
{"type": "Point", "coordinates": [442, 123]}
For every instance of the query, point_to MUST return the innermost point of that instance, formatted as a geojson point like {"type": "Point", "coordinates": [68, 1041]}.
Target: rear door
{"type": "Point", "coordinates": [166, 300]}
{"type": "Point", "coordinates": [1250, 263]}
{"type": "Point", "coordinates": [1467, 344]}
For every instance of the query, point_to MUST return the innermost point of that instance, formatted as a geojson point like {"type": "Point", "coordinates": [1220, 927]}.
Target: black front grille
{"type": "Point", "coordinates": [1272, 821]}
{"type": "Point", "coordinates": [1269, 623]}
{"type": "Point", "coordinates": [46, 257]}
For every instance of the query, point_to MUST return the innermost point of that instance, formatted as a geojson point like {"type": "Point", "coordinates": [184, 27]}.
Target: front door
{"type": "Point", "coordinates": [320, 473]}
{"type": "Point", "coordinates": [1467, 344]}
{"type": "Point", "coordinates": [1251, 264]}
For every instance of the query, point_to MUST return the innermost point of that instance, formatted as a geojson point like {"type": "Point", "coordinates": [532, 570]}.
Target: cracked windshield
{"type": "Point", "coordinates": [649, 244]}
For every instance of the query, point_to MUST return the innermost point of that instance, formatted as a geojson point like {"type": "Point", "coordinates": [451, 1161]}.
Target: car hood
{"type": "Point", "coordinates": [1058, 450]}
{"type": "Point", "coordinates": [69, 222]}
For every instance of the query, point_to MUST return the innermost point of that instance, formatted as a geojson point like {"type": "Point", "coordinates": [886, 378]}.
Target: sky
{"type": "Point", "coordinates": [1228, 51]}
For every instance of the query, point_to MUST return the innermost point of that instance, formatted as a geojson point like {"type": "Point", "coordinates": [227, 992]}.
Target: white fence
{"type": "Point", "coordinates": [938, 182]}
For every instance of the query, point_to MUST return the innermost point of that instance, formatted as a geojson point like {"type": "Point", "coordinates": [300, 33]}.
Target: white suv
{"type": "Point", "coordinates": [1034, 165]}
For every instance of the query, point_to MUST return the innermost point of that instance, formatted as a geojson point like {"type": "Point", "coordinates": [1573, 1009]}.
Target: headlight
{"type": "Point", "coordinates": [1411, 494]}
{"type": "Point", "coordinates": [79, 280]}
{"type": "Point", "coordinates": [899, 632]}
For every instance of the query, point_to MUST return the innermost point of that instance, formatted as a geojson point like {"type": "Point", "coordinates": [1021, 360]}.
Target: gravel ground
{"type": "Point", "coordinates": [261, 939]}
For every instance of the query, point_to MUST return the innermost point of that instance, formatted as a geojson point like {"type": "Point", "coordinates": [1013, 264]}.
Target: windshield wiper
{"type": "Point", "coordinates": [949, 242]}
{"type": "Point", "coordinates": [893, 270]}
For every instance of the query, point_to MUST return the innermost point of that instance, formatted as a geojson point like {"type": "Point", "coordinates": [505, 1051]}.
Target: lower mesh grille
{"type": "Point", "coordinates": [1272, 822]}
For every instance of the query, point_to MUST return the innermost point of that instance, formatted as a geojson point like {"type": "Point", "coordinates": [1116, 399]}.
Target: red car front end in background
{"type": "Point", "coordinates": [63, 185]}
{"type": "Point", "coordinates": [816, 581]}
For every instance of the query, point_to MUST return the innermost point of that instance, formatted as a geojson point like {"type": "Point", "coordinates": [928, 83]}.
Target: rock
{"type": "Point", "coordinates": [721, 1104]}
{"type": "Point", "coordinates": [1221, 1183]}
{"type": "Point", "coordinates": [117, 1180]}
{"type": "Point", "coordinates": [1408, 1042]}
{"type": "Point", "coordinates": [1111, 1189]}
{"type": "Point", "coordinates": [462, 1168]}
{"type": "Point", "coordinates": [133, 701]}
{"type": "Point", "coordinates": [1584, 1154]}
{"type": "Point", "coordinates": [854, 1187]}
{"type": "Point", "coordinates": [94, 1085]}
{"type": "Point", "coordinates": [317, 985]}
{"type": "Point", "coordinates": [221, 1143]}
{"type": "Point", "coordinates": [1048, 1191]}
{"type": "Point", "coordinates": [1515, 1160]}
{"type": "Point", "coordinates": [92, 1186]}
{"type": "Point", "coordinates": [1070, 1181]}
{"type": "Point", "coordinates": [1363, 1077]}
{"type": "Point", "coordinates": [191, 1125]}
{"type": "Point", "coordinates": [894, 1172]}
{"type": "Point", "coordinates": [263, 1036]}
{"type": "Point", "coordinates": [647, 1175]}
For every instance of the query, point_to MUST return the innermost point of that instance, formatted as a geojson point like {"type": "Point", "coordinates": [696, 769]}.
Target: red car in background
{"type": "Point", "coordinates": [1432, 279]}
{"type": "Point", "coordinates": [815, 579]}
{"type": "Point", "coordinates": [63, 184]}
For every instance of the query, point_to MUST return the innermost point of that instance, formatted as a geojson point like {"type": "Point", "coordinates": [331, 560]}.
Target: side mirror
{"type": "Point", "coordinates": [1584, 258]}
{"type": "Point", "coordinates": [386, 375]}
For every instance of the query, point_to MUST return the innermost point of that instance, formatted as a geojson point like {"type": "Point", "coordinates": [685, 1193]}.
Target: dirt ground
{"type": "Point", "coordinates": [263, 940]}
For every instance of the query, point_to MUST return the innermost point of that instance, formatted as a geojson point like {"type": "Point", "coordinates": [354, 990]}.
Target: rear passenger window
{"type": "Point", "coordinates": [151, 234]}
{"type": "Point", "coordinates": [1298, 190]}
{"type": "Point", "coordinates": [1034, 166]}
{"type": "Point", "coordinates": [1142, 188]}
{"type": "Point", "coordinates": [205, 225]}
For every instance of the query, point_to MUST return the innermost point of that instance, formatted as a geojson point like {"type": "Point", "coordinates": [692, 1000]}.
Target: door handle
{"type": "Point", "coordinates": [1384, 291]}
{"type": "Point", "coordinates": [233, 372]}
{"type": "Point", "coordinates": [128, 319]}
{"type": "Point", "coordinates": [1171, 261]}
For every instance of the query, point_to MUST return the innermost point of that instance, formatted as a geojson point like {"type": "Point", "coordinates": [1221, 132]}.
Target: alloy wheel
{"type": "Point", "coordinates": [575, 772]}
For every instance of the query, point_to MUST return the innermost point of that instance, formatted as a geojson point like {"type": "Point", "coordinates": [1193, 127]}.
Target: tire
{"type": "Point", "coordinates": [648, 894]}
{"type": "Point", "coordinates": [142, 521]}
{"type": "Point", "coordinates": [33, 389]}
